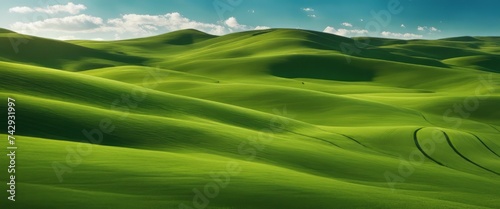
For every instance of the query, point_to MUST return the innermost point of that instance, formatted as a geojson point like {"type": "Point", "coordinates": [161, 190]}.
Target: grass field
{"type": "Point", "coordinates": [278, 118]}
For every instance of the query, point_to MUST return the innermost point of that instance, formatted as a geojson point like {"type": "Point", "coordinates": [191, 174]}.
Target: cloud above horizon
{"type": "Point", "coordinates": [345, 32]}
{"type": "Point", "coordinates": [428, 29]}
{"type": "Point", "coordinates": [388, 34]}
{"type": "Point", "coordinates": [130, 25]}
{"type": "Point", "coordinates": [357, 32]}
{"type": "Point", "coordinates": [346, 24]}
{"type": "Point", "coordinates": [72, 20]}
{"type": "Point", "coordinates": [78, 23]}
{"type": "Point", "coordinates": [70, 8]}
{"type": "Point", "coordinates": [310, 12]}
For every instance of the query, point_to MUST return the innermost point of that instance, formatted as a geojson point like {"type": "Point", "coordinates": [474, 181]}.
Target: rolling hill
{"type": "Point", "coordinates": [277, 118]}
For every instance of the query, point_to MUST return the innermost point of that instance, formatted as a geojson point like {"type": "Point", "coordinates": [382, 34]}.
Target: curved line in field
{"type": "Point", "coordinates": [348, 137]}
{"type": "Point", "coordinates": [494, 127]}
{"type": "Point", "coordinates": [358, 142]}
{"type": "Point", "coordinates": [422, 150]}
{"type": "Point", "coordinates": [367, 147]}
{"type": "Point", "coordinates": [465, 158]}
{"type": "Point", "coordinates": [428, 121]}
{"type": "Point", "coordinates": [485, 145]}
{"type": "Point", "coordinates": [313, 137]}
{"type": "Point", "coordinates": [354, 140]}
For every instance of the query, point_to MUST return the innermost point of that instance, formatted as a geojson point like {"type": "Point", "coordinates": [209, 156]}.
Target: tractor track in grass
{"type": "Point", "coordinates": [329, 142]}
{"type": "Point", "coordinates": [494, 127]}
{"type": "Point", "coordinates": [358, 142]}
{"type": "Point", "coordinates": [354, 140]}
{"type": "Point", "coordinates": [343, 135]}
{"type": "Point", "coordinates": [428, 121]}
{"type": "Point", "coordinates": [415, 139]}
{"type": "Point", "coordinates": [465, 158]}
{"type": "Point", "coordinates": [479, 139]}
{"type": "Point", "coordinates": [367, 147]}
{"type": "Point", "coordinates": [348, 137]}
{"type": "Point", "coordinates": [313, 137]}
{"type": "Point", "coordinates": [485, 145]}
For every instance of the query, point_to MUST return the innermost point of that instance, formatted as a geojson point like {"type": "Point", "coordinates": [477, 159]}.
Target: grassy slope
{"type": "Point", "coordinates": [214, 100]}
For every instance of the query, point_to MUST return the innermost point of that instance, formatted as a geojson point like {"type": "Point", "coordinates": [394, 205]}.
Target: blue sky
{"type": "Point", "coordinates": [121, 19]}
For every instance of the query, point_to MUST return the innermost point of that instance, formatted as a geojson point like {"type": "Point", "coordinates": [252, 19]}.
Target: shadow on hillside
{"type": "Point", "coordinates": [320, 67]}
{"type": "Point", "coordinates": [57, 54]}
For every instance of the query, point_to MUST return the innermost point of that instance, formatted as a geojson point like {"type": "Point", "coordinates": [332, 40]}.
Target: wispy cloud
{"type": "Point", "coordinates": [129, 25]}
{"type": "Point", "coordinates": [345, 32]}
{"type": "Point", "coordinates": [139, 24]}
{"type": "Point", "coordinates": [233, 24]}
{"type": "Point", "coordinates": [261, 27]}
{"type": "Point", "coordinates": [346, 24]}
{"type": "Point", "coordinates": [78, 23]}
{"type": "Point", "coordinates": [21, 10]}
{"type": "Point", "coordinates": [429, 29]}
{"type": "Point", "coordinates": [310, 12]}
{"type": "Point", "coordinates": [70, 8]}
{"type": "Point", "coordinates": [400, 35]}
{"type": "Point", "coordinates": [433, 29]}
{"type": "Point", "coordinates": [403, 26]}
{"type": "Point", "coordinates": [66, 38]}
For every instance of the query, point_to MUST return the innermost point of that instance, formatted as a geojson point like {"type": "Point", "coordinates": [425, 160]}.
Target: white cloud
{"type": "Point", "coordinates": [79, 23]}
{"type": "Point", "coordinates": [345, 32]}
{"type": "Point", "coordinates": [234, 26]}
{"type": "Point", "coordinates": [400, 35]}
{"type": "Point", "coordinates": [361, 20]}
{"type": "Point", "coordinates": [150, 27]}
{"type": "Point", "coordinates": [232, 22]}
{"type": "Point", "coordinates": [127, 26]}
{"type": "Point", "coordinates": [97, 39]}
{"type": "Point", "coordinates": [251, 11]}
{"type": "Point", "coordinates": [329, 29]}
{"type": "Point", "coordinates": [433, 29]}
{"type": "Point", "coordinates": [262, 28]}
{"type": "Point", "coordinates": [310, 12]}
{"type": "Point", "coordinates": [66, 38]}
{"type": "Point", "coordinates": [403, 26]}
{"type": "Point", "coordinates": [147, 24]}
{"type": "Point", "coordinates": [346, 24]}
{"type": "Point", "coordinates": [68, 8]}
{"type": "Point", "coordinates": [430, 29]}
{"type": "Point", "coordinates": [21, 10]}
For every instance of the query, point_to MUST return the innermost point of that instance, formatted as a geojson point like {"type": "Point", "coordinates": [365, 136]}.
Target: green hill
{"type": "Point", "coordinates": [278, 118]}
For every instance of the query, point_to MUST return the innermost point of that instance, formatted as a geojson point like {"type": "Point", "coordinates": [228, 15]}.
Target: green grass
{"type": "Point", "coordinates": [307, 128]}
